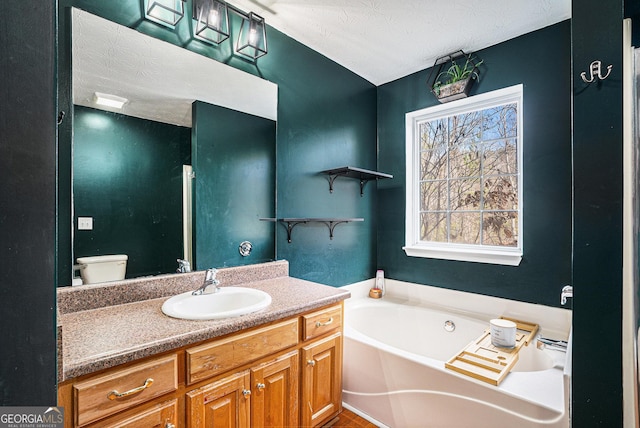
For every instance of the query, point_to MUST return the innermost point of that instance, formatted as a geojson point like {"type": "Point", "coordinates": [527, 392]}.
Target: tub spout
{"type": "Point", "coordinates": [567, 291]}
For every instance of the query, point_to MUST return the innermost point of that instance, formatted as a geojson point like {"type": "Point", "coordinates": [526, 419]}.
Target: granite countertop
{"type": "Point", "coordinates": [103, 337]}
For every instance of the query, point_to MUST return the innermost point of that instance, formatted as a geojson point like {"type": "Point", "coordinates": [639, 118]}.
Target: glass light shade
{"type": "Point", "coordinates": [211, 21]}
{"type": "Point", "coordinates": [252, 41]}
{"type": "Point", "coordinates": [165, 12]}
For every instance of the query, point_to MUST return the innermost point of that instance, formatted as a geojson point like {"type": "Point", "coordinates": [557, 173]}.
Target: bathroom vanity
{"type": "Point", "coordinates": [126, 364]}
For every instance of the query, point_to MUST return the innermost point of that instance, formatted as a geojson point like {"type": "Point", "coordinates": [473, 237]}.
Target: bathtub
{"type": "Point", "coordinates": [395, 349]}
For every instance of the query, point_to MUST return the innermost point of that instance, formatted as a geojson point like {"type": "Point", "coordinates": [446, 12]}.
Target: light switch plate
{"type": "Point", "coordinates": [85, 223]}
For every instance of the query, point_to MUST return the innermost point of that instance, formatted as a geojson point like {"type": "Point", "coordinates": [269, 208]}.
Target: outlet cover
{"type": "Point", "coordinates": [85, 223]}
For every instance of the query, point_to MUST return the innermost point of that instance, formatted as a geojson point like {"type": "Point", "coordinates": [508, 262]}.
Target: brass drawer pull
{"type": "Point", "coordinates": [322, 324]}
{"type": "Point", "coordinates": [115, 394]}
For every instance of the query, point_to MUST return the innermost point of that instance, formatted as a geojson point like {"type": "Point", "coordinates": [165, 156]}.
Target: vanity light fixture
{"type": "Point", "coordinates": [211, 25]}
{"type": "Point", "coordinates": [164, 12]}
{"type": "Point", "coordinates": [252, 41]}
{"type": "Point", "coordinates": [109, 100]}
{"type": "Point", "coordinates": [211, 21]}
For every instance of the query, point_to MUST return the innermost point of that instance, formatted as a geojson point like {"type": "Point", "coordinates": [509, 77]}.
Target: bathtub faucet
{"type": "Point", "coordinates": [209, 279]}
{"type": "Point", "coordinates": [567, 291]}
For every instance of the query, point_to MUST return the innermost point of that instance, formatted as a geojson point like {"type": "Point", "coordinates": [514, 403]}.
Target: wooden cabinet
{"type": "Point", "coordinates": [274, 394]}
{"type": "Point", "coordinates": [225, 403]}
{"type": "Point", "coordinates": [263, 396]}
{"type": "Point", "coordinates": [321, 396]}
{"type": "Point", "coordinates": [286, 373]}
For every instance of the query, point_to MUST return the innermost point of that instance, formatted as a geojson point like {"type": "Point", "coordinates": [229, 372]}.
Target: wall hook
{"type": "Point", "coordinates": [595, 70]}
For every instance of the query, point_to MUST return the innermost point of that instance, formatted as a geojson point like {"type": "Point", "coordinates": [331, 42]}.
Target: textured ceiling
{"type": "Point", "coordinates": [383, 40]}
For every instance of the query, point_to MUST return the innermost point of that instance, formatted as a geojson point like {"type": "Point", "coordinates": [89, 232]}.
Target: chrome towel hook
{"type": "Point", "coordinates": [595, 70]}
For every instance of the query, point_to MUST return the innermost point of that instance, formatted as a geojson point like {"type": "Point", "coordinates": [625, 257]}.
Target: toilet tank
{"type": "Point", "coordinates": [102, 268]}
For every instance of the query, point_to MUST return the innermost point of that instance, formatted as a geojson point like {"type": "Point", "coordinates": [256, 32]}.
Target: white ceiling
{"type": "Point", "coordinates": [383, 40]}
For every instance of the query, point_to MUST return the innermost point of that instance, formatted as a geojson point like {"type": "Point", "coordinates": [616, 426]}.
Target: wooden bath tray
{"type": "Point", "coordinates": [486, 362]}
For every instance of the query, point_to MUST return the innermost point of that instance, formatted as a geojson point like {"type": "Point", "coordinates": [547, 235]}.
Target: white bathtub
{"type": "Point", "coordinates": [395, 349]}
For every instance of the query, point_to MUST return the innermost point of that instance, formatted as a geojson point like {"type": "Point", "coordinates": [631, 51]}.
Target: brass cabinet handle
{"type": "Point", "coordinates": [246, 392]}
{"type": "Point", "coordinates": [311, 362]}
{"type": "Point", "coordinates": [322, 324]}
{"type": "Point", "coordinates": [260, 385]}
{"type": "Point", "coordinates": [115, 394]}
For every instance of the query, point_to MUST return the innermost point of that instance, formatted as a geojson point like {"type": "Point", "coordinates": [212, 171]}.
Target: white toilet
{"type": "Point", "coordinates": [102, 268]}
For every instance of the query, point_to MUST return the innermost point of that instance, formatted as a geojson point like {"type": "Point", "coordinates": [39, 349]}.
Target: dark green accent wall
{"type": "Point", "coordinates": [326, 119]}
{"type": "Point", "coordinates": [234, 163]}
{"type": "Point", "coordinates": [128, 177]}
{"type": "Point", "coordinates": [597, 253]}
{"type": "Point", "coordinates": [27, 203]}
{"type": "Point", "coordinates": [541, 62]}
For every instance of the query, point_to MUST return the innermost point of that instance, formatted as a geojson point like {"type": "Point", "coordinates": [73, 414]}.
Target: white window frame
{"type": "Point", "coordinates": [414, 247]}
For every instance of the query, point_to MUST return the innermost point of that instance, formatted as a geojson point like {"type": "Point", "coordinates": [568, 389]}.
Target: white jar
{"type": "Point", "coordinates": [503, 333]}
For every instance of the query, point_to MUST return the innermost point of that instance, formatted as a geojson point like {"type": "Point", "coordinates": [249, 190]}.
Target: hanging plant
{"type": "Point", "coordinates": [456, 80]}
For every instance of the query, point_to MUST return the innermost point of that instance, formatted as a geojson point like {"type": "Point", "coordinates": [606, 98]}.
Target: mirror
{"type": "Point", "coordinates": [181, 108]}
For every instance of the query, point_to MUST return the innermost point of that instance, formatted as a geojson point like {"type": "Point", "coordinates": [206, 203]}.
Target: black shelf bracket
{"type": "Point", "coordinates": [364, 175]}
{"type": "Point", "coordinates": [331, 223]}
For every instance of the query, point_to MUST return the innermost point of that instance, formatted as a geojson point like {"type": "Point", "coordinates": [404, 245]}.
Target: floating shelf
{"type": "Point", "coordinates": [364, 175]}
{"type": "Point", "coordinates": [331, 223]}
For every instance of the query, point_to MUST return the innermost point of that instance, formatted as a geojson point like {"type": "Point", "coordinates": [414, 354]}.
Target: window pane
{"type": "Point", "coordinates": [500, 228]}
{"type": "Point", "coordinates": [500, 157]}
{"type": "Point", "coordinates": [465, 128]}
{"type": "Point", "coordinates": [433, 227]}
{"type": "Point", "coordinates": [500, 122]}
{"type": "Point", "coordinates": [501, 193]}
{"type": "Point", "coordinates": [464, 161]}
{"type": "Point", "coordinates": [433, 164]}
{"type": "Point", "coordinates": [433, 196]}
{"type": "Point", "coordinates": [433, 134]}
{"type": "Point", "coordinates": [465, 228]}
{"type": "Point", "coordinates": [465, 194]}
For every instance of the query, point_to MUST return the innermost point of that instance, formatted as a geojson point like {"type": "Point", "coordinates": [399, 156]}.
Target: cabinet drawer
{"type": "Point", "coordinates": [208, 360]}
{"type": "Point", "coordinates": [121, 389]}
{"type": "Point", "coordinates": [323, 321]}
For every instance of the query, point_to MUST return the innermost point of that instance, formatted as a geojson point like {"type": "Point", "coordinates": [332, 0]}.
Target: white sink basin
{"type": "Point", "coordinates": [227, 302]}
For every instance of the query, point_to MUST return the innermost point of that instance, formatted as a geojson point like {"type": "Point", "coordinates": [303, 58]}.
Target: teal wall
{"type": "Point", "coordinates": [234, 158]}
{"type": "Point", "coordinates": [128, 177]}
{"type": "Point", "coordinates": [326, 119]}
{"type": "Point", "coordinates": [541, 62]}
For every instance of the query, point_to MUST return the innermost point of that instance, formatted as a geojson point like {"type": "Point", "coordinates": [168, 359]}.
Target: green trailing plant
{"type": "Point", "coordinates": [456, 73]}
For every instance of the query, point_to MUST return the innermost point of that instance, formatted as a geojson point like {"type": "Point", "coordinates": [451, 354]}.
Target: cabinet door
{"type": "Point", "coordinates": [164, 415]}
{"type": "Point", "coordinates": [274, 398]}
{"type": "Point", "coordinates": [321, 380]}
{"type": "Point", "coordinates": [222, 404]}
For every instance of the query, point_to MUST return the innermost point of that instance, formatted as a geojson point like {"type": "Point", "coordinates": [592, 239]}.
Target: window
{"type": "Point", "coordinates": [464, 179]}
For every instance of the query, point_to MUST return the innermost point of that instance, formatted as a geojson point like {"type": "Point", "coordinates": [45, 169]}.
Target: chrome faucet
{"type": "Point", "coordinates": [183, 266]}
{"type": "Point", "coordinates": [567, 291]}
{"type": "Point", "coordinates": [209, 279]}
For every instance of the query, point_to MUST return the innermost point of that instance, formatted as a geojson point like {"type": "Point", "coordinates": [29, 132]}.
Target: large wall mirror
{"type": "Point", "coordinates": [133, 192]}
